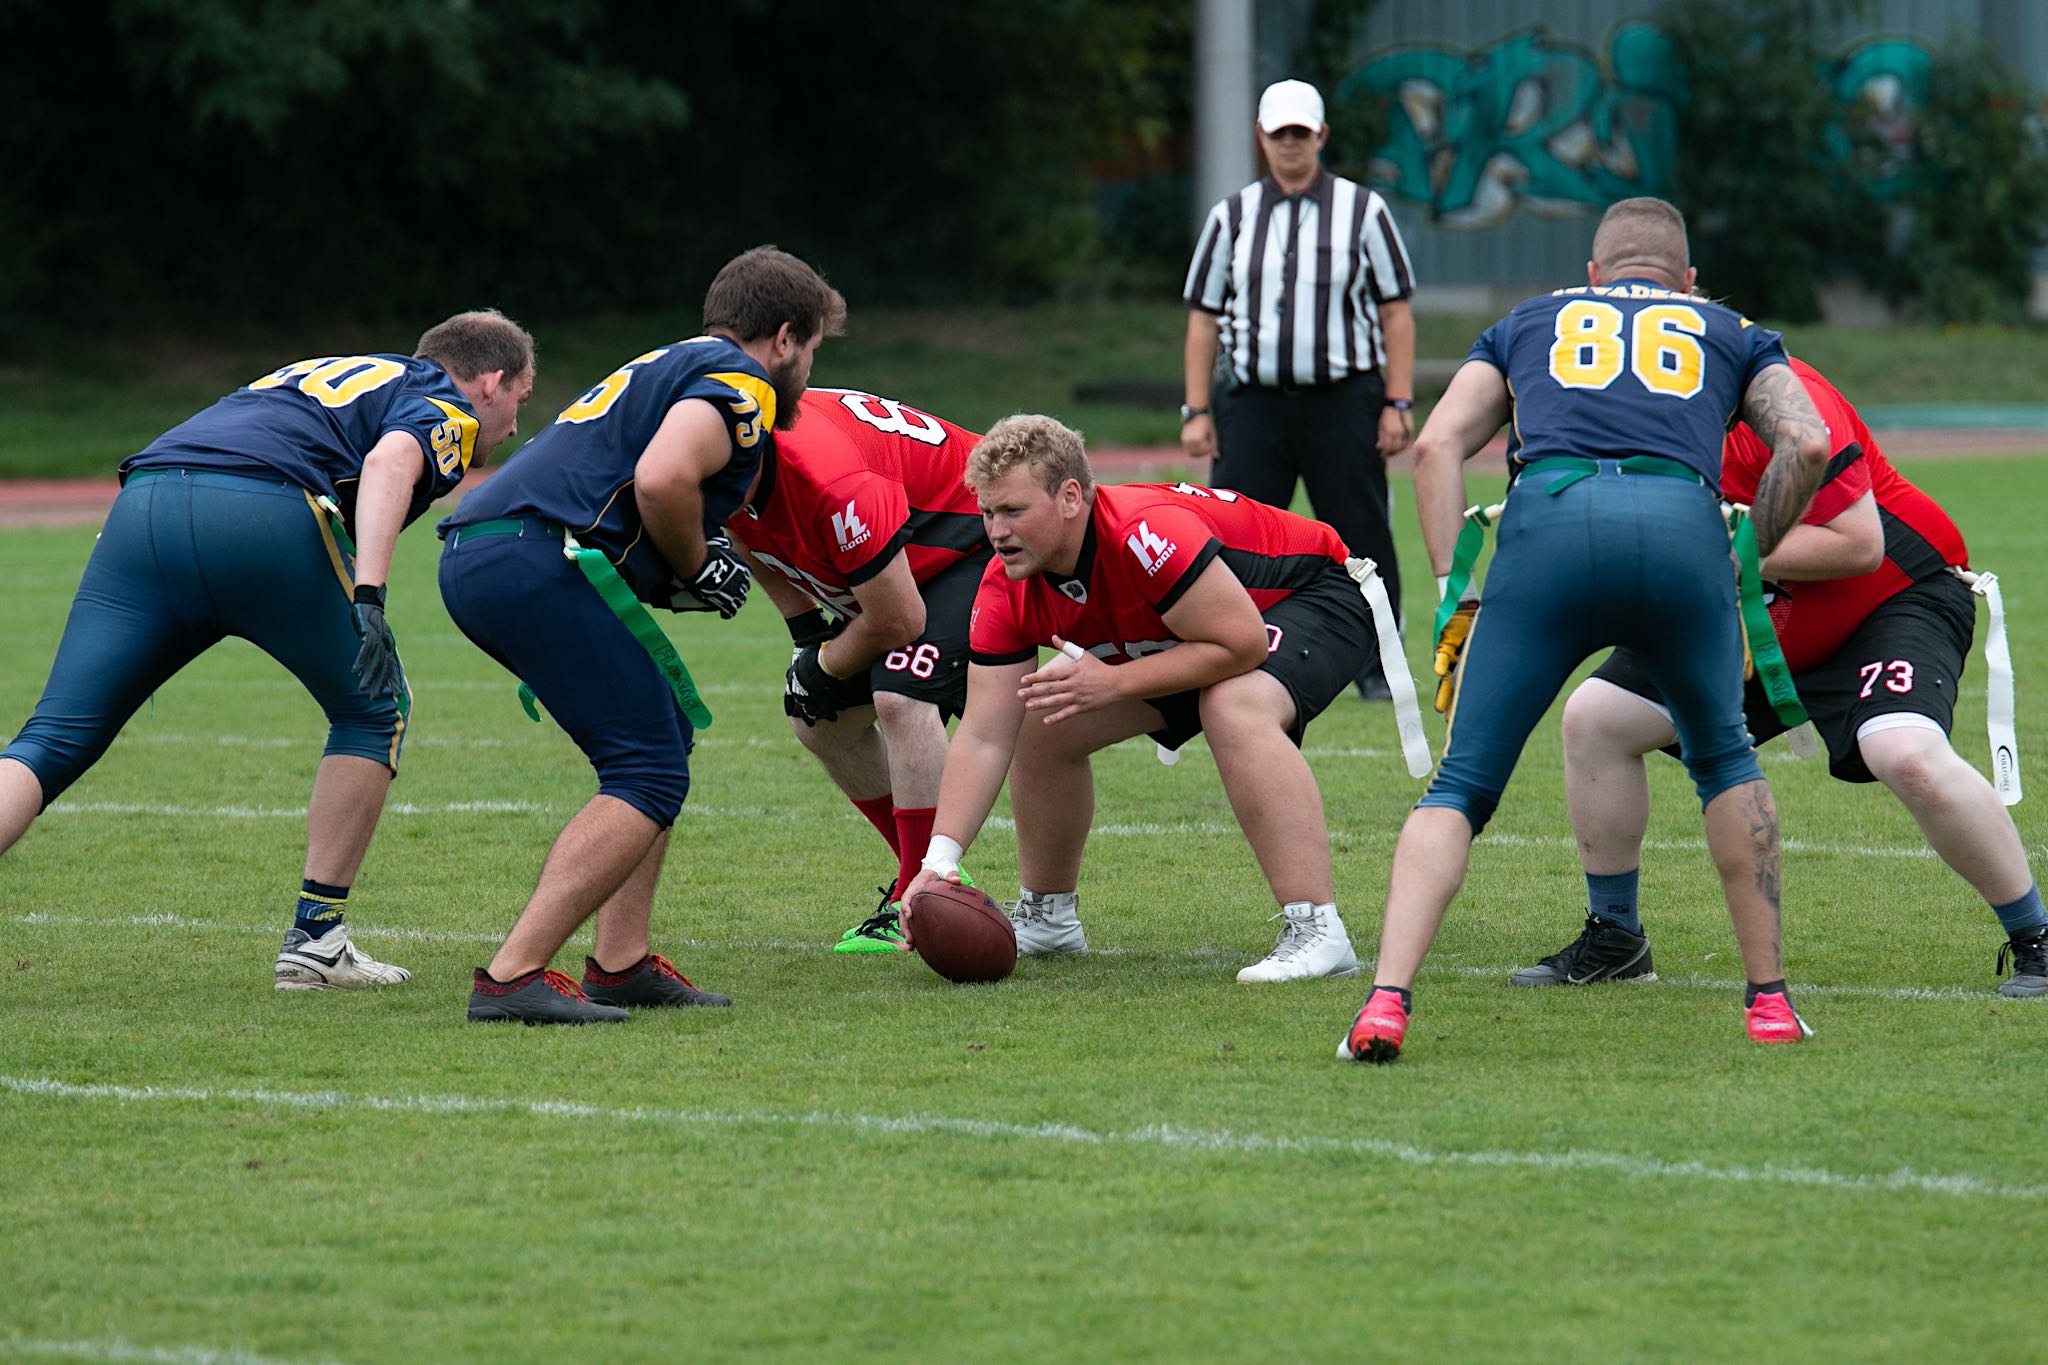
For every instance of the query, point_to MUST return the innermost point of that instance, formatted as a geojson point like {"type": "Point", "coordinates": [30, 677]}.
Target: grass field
{"type": "Point", "coordinates": [82, 404]}
{"type": "Point", "coordinates": [1122, 1156]}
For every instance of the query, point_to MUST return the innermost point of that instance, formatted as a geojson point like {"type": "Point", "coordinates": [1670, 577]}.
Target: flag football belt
{"type": "Point", "coordinates": [1407, 713]}
{"type": "Point", "coordinates": [624, 605]}
{"type": "Point", "coordinates": [1756, 621]}
{"type": "Point", "coordinates": [1998, 692]}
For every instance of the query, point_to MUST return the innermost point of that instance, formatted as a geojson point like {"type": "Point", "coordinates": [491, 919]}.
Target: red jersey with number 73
{"type": "Point", "coordinates": [855, 480]}
{"type": "Point", "coordinates": [1145, 546]}
{"type": "Point", "coordinates": [1814, 619]}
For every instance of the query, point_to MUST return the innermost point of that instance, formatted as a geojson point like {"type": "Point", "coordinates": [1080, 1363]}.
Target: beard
{"type": "Point", "coordinates": [789, 390]}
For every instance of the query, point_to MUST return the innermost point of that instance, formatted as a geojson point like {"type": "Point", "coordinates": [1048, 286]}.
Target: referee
{"type": "Point", "coordinates": [1301, 278]}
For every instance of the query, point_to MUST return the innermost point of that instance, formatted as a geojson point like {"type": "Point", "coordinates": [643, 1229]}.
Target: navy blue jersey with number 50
{"type": "Point", "coordinates": [579, 472]}
{"type": "Point", "coordinates": [312, 423]}
{"type": "Point", "coordinates": [1626, 368]}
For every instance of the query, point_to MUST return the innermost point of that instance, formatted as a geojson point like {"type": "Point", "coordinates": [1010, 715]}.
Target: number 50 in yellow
{"type": "Point", "coordinates": [1666, 354]}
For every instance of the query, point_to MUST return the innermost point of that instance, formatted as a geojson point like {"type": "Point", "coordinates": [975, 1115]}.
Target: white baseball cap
{"type": "Point", "coordinates": [1290, 104]}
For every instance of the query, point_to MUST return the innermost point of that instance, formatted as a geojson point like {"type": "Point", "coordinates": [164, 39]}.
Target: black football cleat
{"type": "Point", "coordinates": [1603, 951]}
{"type": "Point", "coordinates": [653, 980]}
{"type": "Point", "coordinates": [543, 997]}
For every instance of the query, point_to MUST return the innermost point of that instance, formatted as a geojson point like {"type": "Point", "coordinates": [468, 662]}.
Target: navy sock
{"type": "Point", "coordinates": [1757, 988]}
{"type": "Point", "coordinates": [1613, 898]}
{"type": "Point", "coordinates": [2023, 915]}
{"type": "Point", "coordinates": [320, 907]}
{"type": "Point", "coordinates": [1407, 996]}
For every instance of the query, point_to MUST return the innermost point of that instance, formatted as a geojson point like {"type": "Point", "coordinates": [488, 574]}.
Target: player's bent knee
{"type": "Point", "coordinates": [1912, 763]}
{"type": "Point", "coordinates": [896, 711]}
{"type": "Point", "coordinates": [1249, 702]}
{"type": "Point", "coordinates": [1718, 774]}
{"type": "Point", "coordinates": [659, 797]}
{"type": "Point", "coordinates": [1601, 716]}
{"type": "Point", "coordinates": [1476, 807]}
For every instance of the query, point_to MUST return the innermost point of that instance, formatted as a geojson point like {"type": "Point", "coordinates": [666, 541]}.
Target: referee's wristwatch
{"type": "Point", "coordinates": [1188, 414]}
{"type": "Point", "coordinates": [1401, 404]}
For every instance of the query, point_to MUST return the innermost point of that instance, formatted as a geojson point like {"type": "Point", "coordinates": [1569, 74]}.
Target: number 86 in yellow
{"type": "Point", "coordinates": [1663, 351]}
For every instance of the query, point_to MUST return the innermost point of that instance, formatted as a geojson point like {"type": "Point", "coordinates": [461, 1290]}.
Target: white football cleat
{"type": "Point", "coordinates": [1047, 924]}
{"type": "Point", "coordinates": [1312, 944]}
{"type": "Point", "coordinates": [331, 963]}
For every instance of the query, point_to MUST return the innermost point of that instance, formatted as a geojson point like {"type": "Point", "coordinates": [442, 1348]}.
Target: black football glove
{"type": "Point", "coordinates": [376, 666]}
{"type": "Point", "coordinates": [810, 694]}
{"type": "Point", "coordinates": [720, 585]}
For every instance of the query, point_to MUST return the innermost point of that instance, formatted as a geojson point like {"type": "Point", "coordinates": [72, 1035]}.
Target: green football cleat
{"type": "Point", "coordinates": [881, 932]}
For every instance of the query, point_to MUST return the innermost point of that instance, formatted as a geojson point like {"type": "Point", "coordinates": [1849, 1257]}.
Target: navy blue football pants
{"type": "Point", "coordinates": [186, 559]}
{"type": "Point", "coordinates": [524, 603]}
{"type": "Point", "coordinates": [1616, 559]}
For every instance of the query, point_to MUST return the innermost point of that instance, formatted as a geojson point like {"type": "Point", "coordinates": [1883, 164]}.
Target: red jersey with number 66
{"type": "Point", "coordinates": [1814, 619]}
{"type": "Point", "coordinates": [855, 480]}
{"type": "Point", "coordinates": [1145, 546]}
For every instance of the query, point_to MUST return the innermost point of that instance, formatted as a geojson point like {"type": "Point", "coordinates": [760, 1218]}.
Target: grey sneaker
{"type": "Point", "coordinates": [544, 997]}
{"type": "Point", "coordinates": [2027, 955]}
{"type": "Point", "coordinates": [330, 963]}
{"type": "Point", "coordinates": [1047, 925]}
{"type": "Point", "coordinates": [1603, 951]}
{"type": "Point", "coordinates": [653, 980]}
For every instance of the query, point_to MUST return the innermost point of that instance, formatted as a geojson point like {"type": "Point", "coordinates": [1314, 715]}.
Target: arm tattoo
{"type": "Point", "coordinates": [1783, 417]}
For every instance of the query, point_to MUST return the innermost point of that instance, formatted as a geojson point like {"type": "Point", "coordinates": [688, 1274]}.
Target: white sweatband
{"type": "Point", "coordinates": [1443, 581]}
{"type": "Point", "coordinates": [942, 856]}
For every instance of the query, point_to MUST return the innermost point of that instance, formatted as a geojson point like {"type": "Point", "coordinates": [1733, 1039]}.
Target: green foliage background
{"type": "Point", "coordinates": [183, 165]}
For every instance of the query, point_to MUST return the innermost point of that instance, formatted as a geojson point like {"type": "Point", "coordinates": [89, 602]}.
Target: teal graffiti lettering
{"type": "Point", "coordinates": [1531, 122]}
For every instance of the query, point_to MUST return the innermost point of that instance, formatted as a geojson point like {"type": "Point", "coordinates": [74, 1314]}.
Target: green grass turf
{"type": "Point", "coordinates": [87, 403]}
{"type": "Point", "coordinates": [1123, 1156]}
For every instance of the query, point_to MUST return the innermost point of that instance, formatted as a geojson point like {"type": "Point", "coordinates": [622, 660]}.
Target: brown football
{"type": "Point", "coordinates": [962, 934]}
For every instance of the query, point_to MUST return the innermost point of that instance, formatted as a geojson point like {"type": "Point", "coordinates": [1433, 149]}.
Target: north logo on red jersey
{"type": "Point", "coordinates": [848, 526]}
{"type": "Point", "coordinates": [1151, 550]}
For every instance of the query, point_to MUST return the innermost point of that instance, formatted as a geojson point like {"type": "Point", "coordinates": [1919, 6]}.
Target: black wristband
{"type": "Point", "coordinates": [369, 596]}
{"type": "Point", "coordinates": [809, 628]}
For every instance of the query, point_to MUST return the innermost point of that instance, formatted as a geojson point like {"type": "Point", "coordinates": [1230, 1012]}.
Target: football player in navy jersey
{"type": "Point", "coordinates": [1619, 392]}
{"type": "Point", "coordinates": [549, 568]}
{"type": "Point", "coordinates": [272, 516]}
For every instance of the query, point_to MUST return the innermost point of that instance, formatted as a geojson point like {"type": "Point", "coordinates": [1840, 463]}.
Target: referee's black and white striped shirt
{"type": "Point", "coordinates": [1296, 280]}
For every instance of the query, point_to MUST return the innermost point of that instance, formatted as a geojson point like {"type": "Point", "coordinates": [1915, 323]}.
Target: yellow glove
{"type": "Point", "coordinates": [1448, 647]}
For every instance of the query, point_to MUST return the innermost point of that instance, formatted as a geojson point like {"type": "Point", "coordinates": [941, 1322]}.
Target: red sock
{"type": "Point", "coordinates": [880, 811]}
{"type": "Point", "coordinates": [913, 836]}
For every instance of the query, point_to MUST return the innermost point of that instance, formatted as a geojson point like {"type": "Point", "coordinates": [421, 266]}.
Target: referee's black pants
{"type": "Point", "coordinates": [1326, 437]}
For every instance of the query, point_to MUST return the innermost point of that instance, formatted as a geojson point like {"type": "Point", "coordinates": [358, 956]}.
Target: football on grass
{"type": "Point", "coordinates": [962, 934]}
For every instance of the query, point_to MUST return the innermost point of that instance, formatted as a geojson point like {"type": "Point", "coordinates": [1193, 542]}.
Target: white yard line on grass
{"type": "Point", "coordinates": [1204, 956]}
{"type": "Point", "coordinates": [121, 1350]}
{"type": "Point", "coordinates": [1120, 830]}
{"type": "Point", "coordinates": [1151, 1135]}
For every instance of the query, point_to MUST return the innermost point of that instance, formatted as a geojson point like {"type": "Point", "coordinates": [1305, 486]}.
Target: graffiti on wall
{"type": "Point", "coordinates": [1534, 123]}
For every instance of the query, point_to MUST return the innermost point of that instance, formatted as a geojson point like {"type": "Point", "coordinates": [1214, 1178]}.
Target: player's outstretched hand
{"type": "Point", "coordinates": [1072, 684]}
{"type": "Point", "coordinates": [376, 666]}
{"type": "Point", "coordinates": [1449, 646]}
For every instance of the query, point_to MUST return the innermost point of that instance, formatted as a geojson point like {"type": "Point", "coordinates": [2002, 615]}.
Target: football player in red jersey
{"type": "Point", "coordinates": [1875, 627]}
{"type": "Point", "coordinates": [1177, 611]}
{"type": "Point", "coordinates": [860, 510]}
